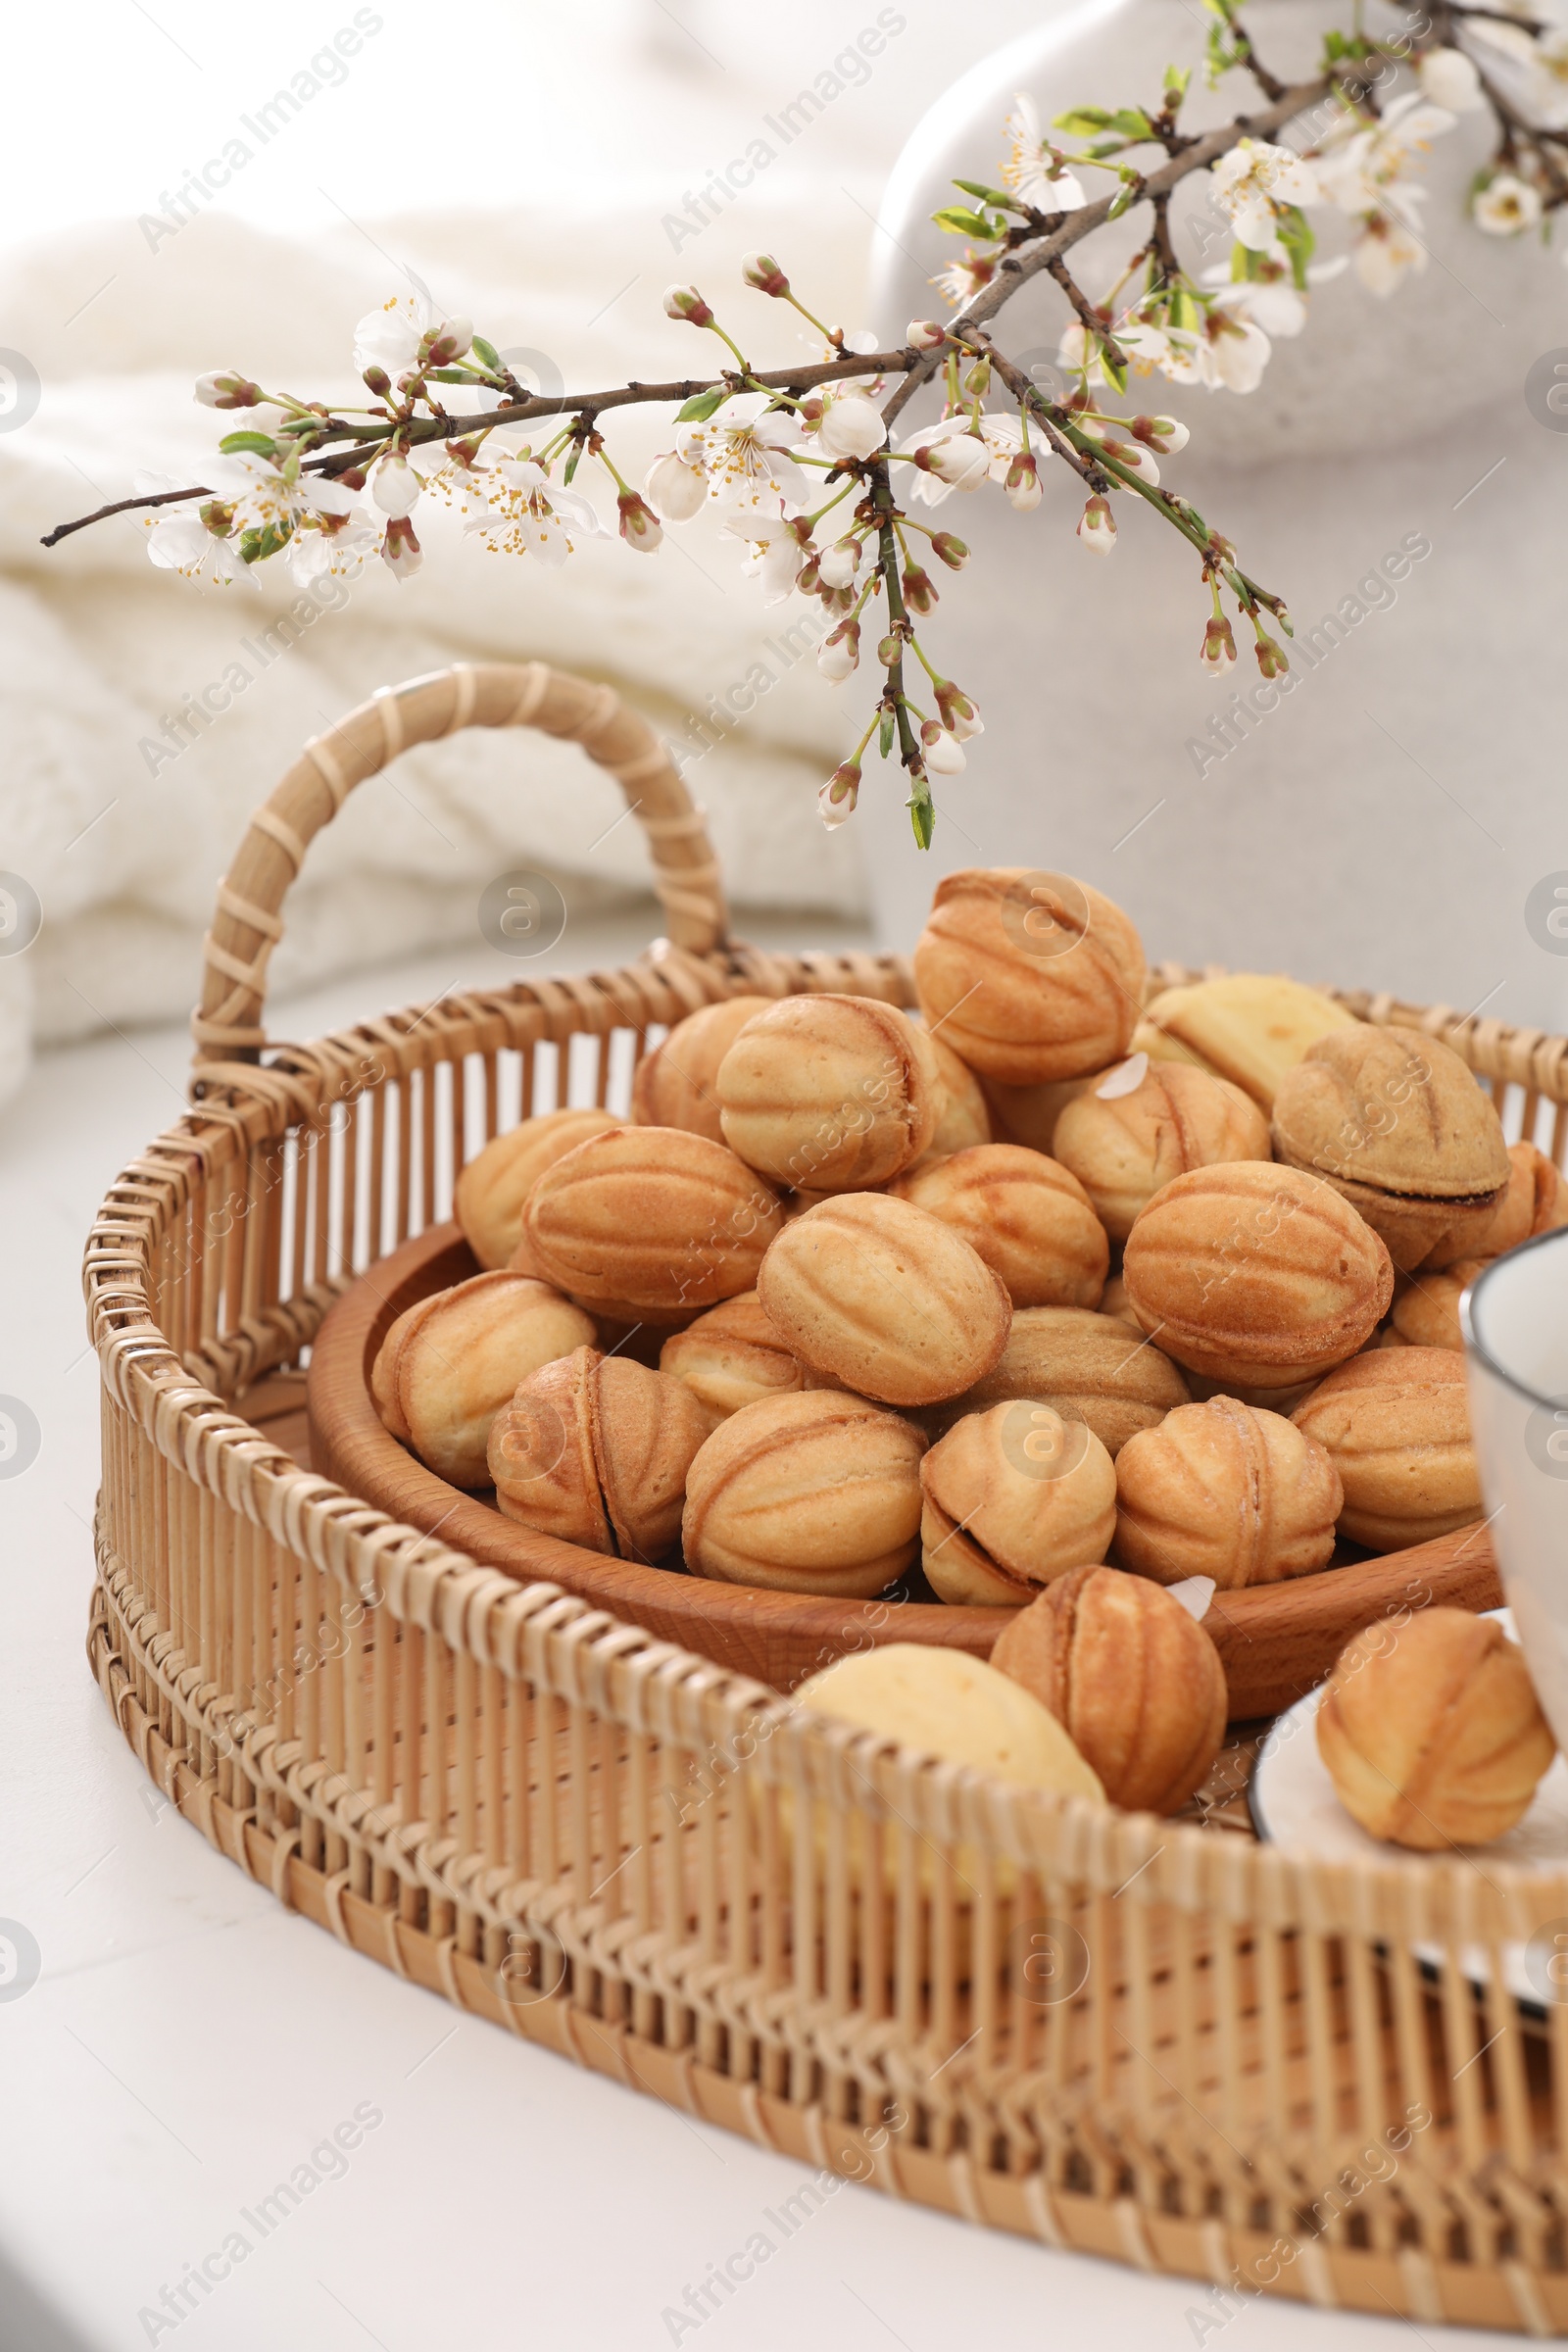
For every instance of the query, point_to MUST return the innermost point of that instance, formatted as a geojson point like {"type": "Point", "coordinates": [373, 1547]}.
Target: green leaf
{"type": "Point", "coordinates": [1132, 122]}
{"type": "Point", "coordinates": [1117, 376]}
{"type": "Point", "coordinates": [886, 743]}
{"type": "Point", "coordinates": [962, 223]}
{"type": "Point", "coordinates": [1082, 122]}
{"type": "Point", "coordinates": [702, 406]}
{"type": "Point", "coordinates": [988, 195]}
{"type": "Point", "coordinates": [450, 375]}
{"type": "Point", "coordinates": [923, 819]}
{"type": "Point", "coordinates": [487, 352]}
{"type": "Point", "coordinates": [1177, 78]}
{"type": "Point", "coordinates": [572, 462]}
{"type": "Point", "coordinates": [261, 445]}
{"type": "Point", "coordinates": [1181, 311]}
{"type": "Point", "coordinates": [1122, 199]}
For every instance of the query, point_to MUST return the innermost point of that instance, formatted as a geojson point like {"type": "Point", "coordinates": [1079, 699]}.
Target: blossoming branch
{"type": "Point", "coordinates": [806, 465]}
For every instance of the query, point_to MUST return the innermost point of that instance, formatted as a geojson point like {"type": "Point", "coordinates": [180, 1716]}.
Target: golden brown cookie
{"type": "Point", "coordinates": [1089, 1368]}
{"type": "Point", "coordinates": [595, 1449]}
{"type": "Point", "coordinates": [809, 1494]}
{"type": "Point", "coordinates": [1124, 1142]}
{"type": "Point", "coordinates": [1256, 1275]}
{"type": "Point", "coordinates": [1225, 1491]}
{"type": "Point", "coordinates": [650, 1224]}
{"type": "Point", "coordinates": [1135, 1683]}
{"type": "Point", "coordinates": [450, 1362]}
{"type": "Point", "coordinates": [1396, 1422]}
{"type": "Point", "coordinates": [1014, 1498]}
{"type": "Point", "coordinates": [1030, 976]}
{"type": "Point", "coordinates": [1397, 1123]}
{"type": "Point", "coordinates": [731, 1356]}
{"type": "Point", "coordinates": [886, 1298]}
{"type": "Point", "coordinates": [1026, 1216]}
{"type": "Point", "coordinates": [830, 1094]}
{"type": "Point", "coordinates": [1432, 1732]}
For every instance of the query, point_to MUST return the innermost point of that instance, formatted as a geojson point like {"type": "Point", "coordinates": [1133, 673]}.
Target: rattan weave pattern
{"type": "Point", "coordinates": [602, 1842]}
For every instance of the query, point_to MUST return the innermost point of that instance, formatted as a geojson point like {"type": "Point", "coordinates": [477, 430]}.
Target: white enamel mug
{"type": "Point", "coordinates": [1515, 1317]}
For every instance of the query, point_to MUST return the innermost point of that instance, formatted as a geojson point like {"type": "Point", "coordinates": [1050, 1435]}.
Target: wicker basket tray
{"type": "Point", "coordinates": [1148, 2040]}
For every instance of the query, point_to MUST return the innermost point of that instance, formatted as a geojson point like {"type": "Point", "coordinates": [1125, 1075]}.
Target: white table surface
{"type": "Point", "coordinates": [189, 2043]}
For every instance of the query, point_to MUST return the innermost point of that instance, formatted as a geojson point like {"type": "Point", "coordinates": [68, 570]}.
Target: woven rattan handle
{"type": "Point", "coordinates": [248, 924]}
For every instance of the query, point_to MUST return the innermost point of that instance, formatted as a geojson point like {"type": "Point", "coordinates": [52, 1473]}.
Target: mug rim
{"type": "Point", "coordinates": [1474, 1346]}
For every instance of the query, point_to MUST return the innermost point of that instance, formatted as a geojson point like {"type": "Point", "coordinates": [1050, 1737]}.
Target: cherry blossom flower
{"type": "Point", "coordinates": [640, 526]}
{"type": "Point", "coordinates": [1233, 353]}
{"type": "Point", "coordinates": [1030, 167]}
{"type": "Point", "coordinates": [1271, 299]}
{"type": "Point", "coordinates": [1363, 171]}
{"type": "Point", "coordinates": [1096, 526]}
{"type": "Point", "coordinates": [774, 554]}
{"type": "Point", "coordinates": [960, 713]}
{"type": "Point", "coordinates": [1506, 206]}
{"type": "Point", "coordinates": [1134, 455]}
{"type": "Point", "coordinates": [527, 515]}
{"type": "Point", "coordinates": [1530, 71]}
{"type": "Point", "coordinates": [202, 546]}
{"type": "Point", "coordinates": [270, 498]}
{"type": "Point", "coordinates": [338, 548]}
{"type": "Point", "coordinates": [1251, 184]}
{"type": "Point", "coordinates": [960, 454]}
{"type": "Point", "coordinates": [744, 451]}
{"type": "Point", "coordinates": [1450, 79]}
{"type": "Point", "coordinates": [405, 329]}
{"type": "Point", "coordinates": [961, 281]}
{"type": "Point", "coordinates": [674, 489]}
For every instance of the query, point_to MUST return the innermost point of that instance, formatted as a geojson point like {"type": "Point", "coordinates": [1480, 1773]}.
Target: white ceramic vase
{"type": "Point", "coordinates": [1386, 824]}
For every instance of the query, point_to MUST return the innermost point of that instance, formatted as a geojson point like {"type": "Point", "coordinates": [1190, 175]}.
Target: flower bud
{"type": "Point", "coordinates": [378, 380]}
{"type": "Point", "coordinates": [1096, 526]}
{"type": "Point", "coordinates": [920, 591]}
{"type": "Point", "coordinates": [840, 654]}
{"type": "Point", "coordinates": [684, 301]}
{"type": "Point", "coordinates": [925, 334]}
{"type": "Point", "coordinates": [978, 380]}
{"type": "Point", "coordinates": [838, 795]}
{"type": "Point", "coordinates": [944, 756]}
{"type": "Point", "coordinates": [759, 270]}
{"type": "Point", "coordinates": [809, 578]}
{"type": "Point", "coordinates": [1218, 650]}
{"type": "Point", "coordinates": [960, 713]}
{"type": "Point", "coordinates": [1271, 658]}
{"type": "Point", "coordinates": [952, 550]}
{"type": "Point", "coordinates": [449, 341]}
{"type": "Point", "coordinates": [852, 426]}
{"type": "Point", "coordinates": [396, 487]}
{"type": "Point", "coordinates": [400, 549]}
{"type": "Point", "coordinates": [962, 462]}
{"type": "Point", "coordinates": [890, 650]}
{"type": "Point", "coordinates": [838, 564]}
{"type": "Point", "coordinates": [640, 526]}
{"type": "Point", "coordinates": [1023, 484]}
{"type": "Point", "coordinates": [674, 490]}
{"type": "Point", "coordinates": [228, 390]}
{"type": "Point", "coordinates": [1164, 433]}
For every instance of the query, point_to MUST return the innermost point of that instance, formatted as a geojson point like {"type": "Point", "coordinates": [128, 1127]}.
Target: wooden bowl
{"type": "Point", "coordinates": [1276, 1641]}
